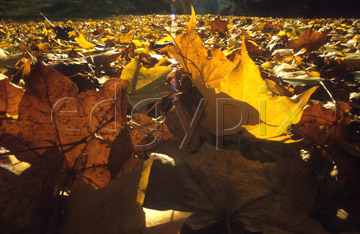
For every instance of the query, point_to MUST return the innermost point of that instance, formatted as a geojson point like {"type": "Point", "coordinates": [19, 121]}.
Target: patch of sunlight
{"type": "Point", "coordinates": [15, 166]}
{"type": "Point", "coordinates": [342, 214]}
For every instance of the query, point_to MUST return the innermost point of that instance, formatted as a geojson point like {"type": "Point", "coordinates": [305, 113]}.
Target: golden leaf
{"type": "Point", "coordinates": [274, 114]}
{"type": "Point", "coordinates": [83, 42]}
{"type": "Point", "coordinates": [239, 87]}
{"type": "Point", "coordinates": [146, 82]}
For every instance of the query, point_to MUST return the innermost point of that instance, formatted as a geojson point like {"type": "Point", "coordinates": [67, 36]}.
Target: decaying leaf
{"type": "Point", "coordinates": [327, 126]}
{"type": "Point", "coordinates": [65, 130]}
{"type": "Point", "coordinates": [299, 78]}
{"type": "Point", "coordinates": [146, 133]}
{"type": "Point", "coordinates": [224, 186]}
{"type": "Point", "coordinates": [28, 201]}
{"type": "Point", "coordinates": [350, 64]}
{"type": "Point", "coordinates": [329, 129]}
{"type": "Point", "coordinates": [121, 150]}
{"type": "Point", "coordinates": [71, 66]}
{"type": "Point", "coordinates": [323, 125]}
{"type": "Point", "coordinates": [310, 40]}
{"type": "Point", "coordinates": [116, 208]}
{"type": "Point", "coordinates": [219, 25]}
{"type": "Point", "coordinates": [10, 96]}
{"type": "Point", "coordinates": [83, 126]}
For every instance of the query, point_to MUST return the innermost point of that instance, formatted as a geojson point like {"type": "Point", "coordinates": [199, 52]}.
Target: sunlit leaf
{"type": "Point", "coordinates": [83, 42]}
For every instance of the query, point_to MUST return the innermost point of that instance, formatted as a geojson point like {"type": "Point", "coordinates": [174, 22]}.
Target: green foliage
{"type": "Point", "coordinates": [30, 9]}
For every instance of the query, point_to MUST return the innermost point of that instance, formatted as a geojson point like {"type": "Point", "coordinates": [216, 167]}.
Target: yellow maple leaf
{"type": "Point", "coordinates": [274, 114]}
{"type": "Point", "coordinates": [146, 82]}
{"type": "Point", "coordinates": [83, 42]}
{"type": "Point", "coordinates": [239, 88]}
{"type": "Point", "coordinates": [125, 39]}
{"type": "Point", "coordinates": [206, 72]}
{"type": "Point", "coordinates": [138, 43]}
{"type": "Point", "coordinates": [166, 39]}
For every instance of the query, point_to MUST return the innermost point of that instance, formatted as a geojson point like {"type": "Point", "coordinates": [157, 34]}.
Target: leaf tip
{"type": "Point", "coordinates": [191, 23]}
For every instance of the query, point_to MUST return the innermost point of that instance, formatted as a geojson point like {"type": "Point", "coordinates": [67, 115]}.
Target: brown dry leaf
{"type": "Point", "coordinates": [146, 132]}
{"type": "Point", "coordinates": [219, 25]}
{"type": "Point", "coordinates": [329, 129]}
{"type": "Point", "coordinates": [28, 200]}
{"type": "Point", "coordinates": [224, 186]}
{"type": "Point", "coordinates": [116, 208]}
{"type": "Point", "coordinates": [321, 125]}
{"type": "Point", "coordinates": [327, 126]}
{"type": "Point", "coordinates": [10, 96]}
{"type": "Point", "coordinates": [121, 150]}
{"type": "Point", "coordinates": [253, 48]}
{"type": "Point", "coordinates": [24, 66]}
{"type": "Point", "coordinates": [310, 40]}
{"type": "Point", "coordinates": [349, 64]}
{"type": "Point", "coordinates": [72, 66]}
{"type": "Point", "coordinates": [83, 82]}
{"type": "Point", "coordinates": [103, 58]}
{"type": "Point", "coordinates": [52, 113]}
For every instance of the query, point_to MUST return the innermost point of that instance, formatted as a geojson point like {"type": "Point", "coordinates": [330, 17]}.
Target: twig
{"type": "Point", "coordinates": [47, 20]}
{"type": "Point", "coordinates": [44, 147]}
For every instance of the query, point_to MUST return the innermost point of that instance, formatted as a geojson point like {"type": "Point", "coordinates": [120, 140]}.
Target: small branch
{"type": "Point", "coordinates": [47, 20]}
{"type": "Point", "coordinates": [228, 225]}
{"type": "Point", "coordinates": [44, 147]}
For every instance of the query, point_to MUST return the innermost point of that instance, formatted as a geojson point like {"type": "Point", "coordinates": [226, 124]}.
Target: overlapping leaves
{"type": "Point", "coordinates": [218, 78]}
{"type": "Point", "coordinates": [81, 128]}
{"type": "Point", "coordinates": [53, 114]}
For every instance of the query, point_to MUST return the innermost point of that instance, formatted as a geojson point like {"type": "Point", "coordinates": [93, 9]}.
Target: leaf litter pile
{"type": "Point", "coordinates": [131, 125]}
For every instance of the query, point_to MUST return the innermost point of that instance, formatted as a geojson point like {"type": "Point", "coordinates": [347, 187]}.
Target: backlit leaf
{"type": "Point", "coordinates": [218, 78]}
{"type": "Point", "coordinates": [10, 96]}
{"type": "Point", "coordinates": [83, 42]}
{"type": "Point", "coordinates": [310, 40]}
{"type": "Point", "coordinates": [52, 113]}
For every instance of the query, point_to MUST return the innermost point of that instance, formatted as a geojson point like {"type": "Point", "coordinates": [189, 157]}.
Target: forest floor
{"type": "Point", "coordinates": [79, 153]}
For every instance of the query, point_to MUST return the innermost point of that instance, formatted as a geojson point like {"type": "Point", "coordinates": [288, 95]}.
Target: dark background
{"type": "Point", "coordinates": [29, 9]}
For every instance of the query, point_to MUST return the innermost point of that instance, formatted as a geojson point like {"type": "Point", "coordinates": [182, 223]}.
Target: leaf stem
{"type": "Point", "coordinates": [44, 147]}
{"type": "Point", "coordinates": [228, 225]}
